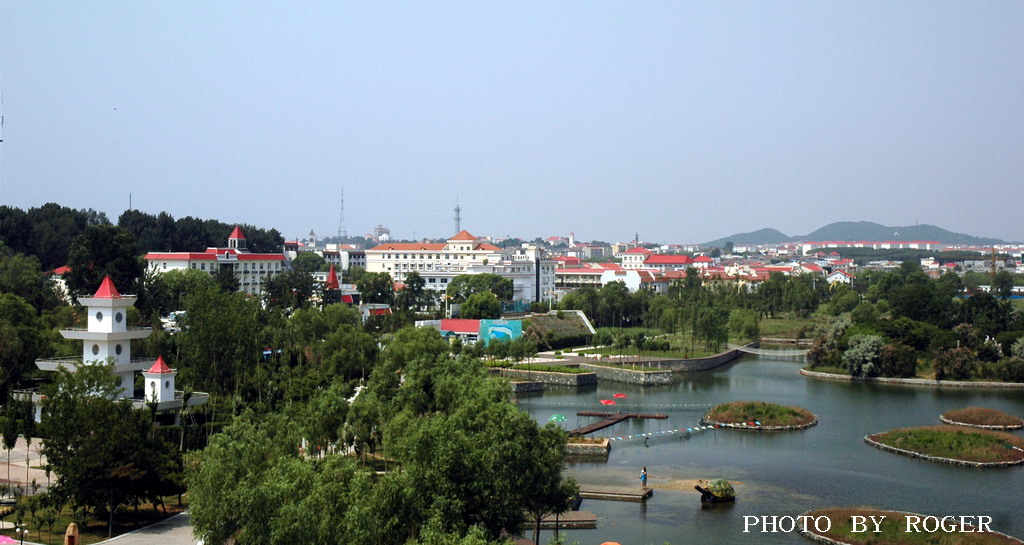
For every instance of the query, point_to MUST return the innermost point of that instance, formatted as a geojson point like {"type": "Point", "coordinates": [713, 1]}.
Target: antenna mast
{"type": "Point", "coordinates": [342, 232]}
{"type": "Point", "coordinates": [458, 216]}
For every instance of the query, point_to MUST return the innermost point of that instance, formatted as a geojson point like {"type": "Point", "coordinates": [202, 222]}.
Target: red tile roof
{"type": "Point", "coordinates": [639, 250]}
{"type": "Point", "coordinates": [460, 325]}
{"type": "Point", "coordinates": [107, 290]}
{"type": "Point", "coordinates": [160, 366]}
{"type": "Point", "coordinates": [488, 247]}
{"type": "Point", "coordinates": [347, 299]}
{"type": "Point", "coordinates": [463, 235]}
{"type": "Point", "coordinates": [237, 233]}
{"type": "Point", "coordinates": [668, 259]}
{"type": "Point", "coordinates": [61, 270]}
{"type": "Point", "coordinates": [703, 259]}
{"type": "Point", "coordinates": [380, 311]}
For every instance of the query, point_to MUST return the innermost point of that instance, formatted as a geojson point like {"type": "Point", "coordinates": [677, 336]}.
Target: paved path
{"type": "Point", "coordinates": [17, 466]}
{"type": "Point", "coordinates": [175, 530]}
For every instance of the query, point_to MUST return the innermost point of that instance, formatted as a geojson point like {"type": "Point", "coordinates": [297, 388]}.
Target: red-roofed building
{"type": "Point", "coordinates": [634, 257]}
{"type": "Point", "coordinates": [668, 262]}
{"type": "Point", "coordinates": [533, 279]}
{"type": "Point", "coordinates": [251, 270]}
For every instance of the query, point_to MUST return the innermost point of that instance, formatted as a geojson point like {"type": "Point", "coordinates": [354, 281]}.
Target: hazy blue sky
{"type": "Point", "coordinates": [684, 121]}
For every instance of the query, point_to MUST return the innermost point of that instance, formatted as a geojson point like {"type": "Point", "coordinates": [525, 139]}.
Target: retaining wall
{"type": "Point", "coordinates": [588, 449]}
{"type": "Point", "coordinates": [912, 381]}
{"type": "Point", "coordinates": [954, 461]}
{"type": "Point", "coordinates": [629, 376]}
{"type": "Point", "coordinates": [982, 426]}
{"type": "Point", "coordinates": [549, 377]}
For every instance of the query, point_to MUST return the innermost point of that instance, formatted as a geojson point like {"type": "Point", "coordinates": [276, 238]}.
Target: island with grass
{"type": "Point", "coordinates": [759, 415]}
{"type": "Point", "coordinates": [981, 417]}
{"type": "Point", "coordinates": [897, 528]}
{"type": "Point", "coordinates": [953, 445]}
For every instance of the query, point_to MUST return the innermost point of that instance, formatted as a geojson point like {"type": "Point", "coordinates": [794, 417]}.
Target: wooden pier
{"type": "Point", "coordinates": [569, 520]}
{"type": "Point", "coordinates": [610, 419]}
{"type": "Point", "coordinates": [615, 493]}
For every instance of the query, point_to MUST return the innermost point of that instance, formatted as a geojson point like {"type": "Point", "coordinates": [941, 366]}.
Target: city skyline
{"type": "Point", "coordinates": [684, 122]}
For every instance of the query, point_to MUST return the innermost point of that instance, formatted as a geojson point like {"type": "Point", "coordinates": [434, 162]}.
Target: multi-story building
{"type": "Point", "coordinates": [533, 278]}
{"type": "Point", "coordinates": [251, 270]}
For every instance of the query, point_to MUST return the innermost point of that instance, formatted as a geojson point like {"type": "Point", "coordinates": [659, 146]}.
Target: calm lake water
{"type": "Point", "coordinates": [781, 473]}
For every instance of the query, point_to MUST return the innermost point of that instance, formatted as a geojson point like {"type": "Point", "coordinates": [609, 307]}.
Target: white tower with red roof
{"type": "Point", "coordinates": [107, 336]}
{"type": "Point", "coordinates": [159, 382]}
{"type": "Point", "coordinates": [236, 240]}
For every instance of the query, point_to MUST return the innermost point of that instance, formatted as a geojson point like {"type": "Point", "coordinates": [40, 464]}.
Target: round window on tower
{"type": "Point", "coordinates": [99, 316]}
{"type": "Point", "coordinates": [117, 349]}
{"type": "Point", "coordinates": [95, 349]}
{"type": "Point", "coordinates": [118, 317]}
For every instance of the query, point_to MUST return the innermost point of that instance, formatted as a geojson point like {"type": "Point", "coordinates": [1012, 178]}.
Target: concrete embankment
{"type": "Point", "coordinates": [913, 381]}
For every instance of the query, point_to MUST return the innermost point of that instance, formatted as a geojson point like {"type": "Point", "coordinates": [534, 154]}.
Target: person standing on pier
{"type": "Point", "coordinates": [643, 478]}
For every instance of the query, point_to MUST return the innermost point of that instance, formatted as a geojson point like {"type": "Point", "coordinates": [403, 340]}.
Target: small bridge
{"type": "Point", "coordinates": [770, 353]}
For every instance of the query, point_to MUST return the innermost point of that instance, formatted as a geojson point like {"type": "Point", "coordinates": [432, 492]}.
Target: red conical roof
{"type": "Point", "coordinates": [332, 280]}
{"type": "Point", "coordinates": [237, 233]}
{"type": "Point", "coordinates": [160, 366]}
{"type": "Point", "coordinates": [107, 290]}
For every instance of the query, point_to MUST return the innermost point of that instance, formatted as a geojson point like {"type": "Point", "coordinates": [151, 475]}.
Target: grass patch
{"type": "Point", "coordinates": [894, 530]}
{"type": "Point", "coordinates": [980, 416]}
{"type": "Point", "coordinates": [956, 442]}
{"type": "Point", "coordinates": [768, 414]}
{"type": "Point", "coordinates": [551, 368]}
{"type": "Point", "coordinates": [792, 327]}
{"type": "Point", "coordinates": [126, 520]}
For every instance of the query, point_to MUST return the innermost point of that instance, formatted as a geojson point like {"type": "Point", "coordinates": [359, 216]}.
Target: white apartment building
{"type": "Point", "coordinates": [251, 270]}
{"type": "Point", "coordinates": [533, 279]}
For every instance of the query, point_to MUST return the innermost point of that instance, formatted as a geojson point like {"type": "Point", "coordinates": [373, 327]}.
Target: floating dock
{"type": "Point", "coordinates": [615, 493]}
{"type": "Point", "coordinates": [610, 419]}
{"type": "Point", "coordinates": [569, 520]}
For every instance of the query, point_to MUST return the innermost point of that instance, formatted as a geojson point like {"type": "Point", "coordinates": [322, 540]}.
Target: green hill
{"type": "Point", "coordinates": [761, 236]}
{"type": "Point", "coordinates": [866, 230]}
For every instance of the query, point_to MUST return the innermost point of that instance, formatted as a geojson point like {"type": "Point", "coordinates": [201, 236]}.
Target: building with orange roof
{"type": "Point", "coordinates": [438, 263]}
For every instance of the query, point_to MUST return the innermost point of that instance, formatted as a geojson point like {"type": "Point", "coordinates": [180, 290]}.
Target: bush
{"type": "Point", "coordinates": [955, 364]}
{"type": "Point", "coordinates": [1012, 369]}
{"type": "Point", "coordinates": [989, 352]}
{"type": "Point", "coordinates": [897, 360]}
{"type": "Point", "coordinates": [862, 357]}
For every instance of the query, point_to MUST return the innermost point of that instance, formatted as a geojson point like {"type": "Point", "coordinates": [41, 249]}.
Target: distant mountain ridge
{"type": "Point", "coordinates": [857, 230]}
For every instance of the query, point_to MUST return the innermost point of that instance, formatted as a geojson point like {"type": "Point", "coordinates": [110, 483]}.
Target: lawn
{"type": "Point", "coordinates": [768, 414]}
{"type": "Point", "coordinates": [956, 443]}
{"type": "Point", "coordinates": [792, 327]}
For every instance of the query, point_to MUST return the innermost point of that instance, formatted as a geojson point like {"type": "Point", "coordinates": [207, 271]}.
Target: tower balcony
{"type": "Point", "coordinates": [73, 362]}
{"type": "Point", "coordinates": [83, 334]}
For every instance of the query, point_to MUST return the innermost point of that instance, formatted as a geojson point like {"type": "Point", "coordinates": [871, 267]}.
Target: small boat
{"type": "Point", "coordinates": [716, 491]}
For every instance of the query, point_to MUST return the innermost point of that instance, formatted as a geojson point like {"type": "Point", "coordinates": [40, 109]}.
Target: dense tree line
{"type": "Point", "coordinates": [903, 323]}
{"type": "Point", "coordinates": [469, 462]}
{"type": "Point", "coordinates": [706, 311]}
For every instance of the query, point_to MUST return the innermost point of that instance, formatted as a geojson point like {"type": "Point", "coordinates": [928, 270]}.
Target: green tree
{"type": "Point", "coordinates": [483, 305]}
{"type": "Point", "coordinates": [462, 286]}
{"type": "Point", "coordinates": [308, 262]}
{"type": "Point", "coordinates": [1002, 284]}
{"type": "Point", "coordinates": [23, 276]}
{"type": "Point", "coordinates": [99, 447]}
{"type": "Point", "coordinates": [220, 339]}
{"type": "Point", "coordinates": [20, 339]}
{"type": "Point", "coordinates": [103, 250]}
{"type": "Point", "coordinates": [289, 290]}
{"type": "Point", "coordinates": [376, 288]}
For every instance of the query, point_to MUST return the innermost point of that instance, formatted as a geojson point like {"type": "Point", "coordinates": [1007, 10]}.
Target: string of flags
{"type": "Point", "coordinates": [638, 405]}
{"type": "Point", "coordinates": [686, 431]}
